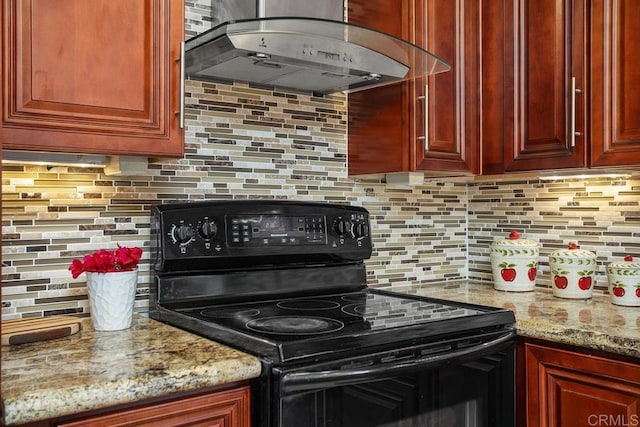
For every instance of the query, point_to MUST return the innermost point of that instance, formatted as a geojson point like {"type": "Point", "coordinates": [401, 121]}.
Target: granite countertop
{"type": "Point", "coordinates": [592, 324]}
{"type": "Point", "coordinates": [93, 369]}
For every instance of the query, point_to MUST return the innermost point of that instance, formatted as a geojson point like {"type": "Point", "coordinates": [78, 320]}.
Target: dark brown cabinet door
{"type": "Point", "coordinates": [380, 126]}
{"type": "Point", "coordinates": [448, 135]}
{"type": "Point", "coordinates": [535, 50]}
{"type": "Point", "coordinates": [615, 83]}
{"type": "Point", "coordinates": [229, 408]}
{"type": "Point", "coordinates": [388, 128]}
{"type": "Point", "coordinates": [567, 389]}
{"type": "Point", "coordinates": [96, 76]}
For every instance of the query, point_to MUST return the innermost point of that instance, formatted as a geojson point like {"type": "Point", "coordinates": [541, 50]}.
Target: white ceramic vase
{"type": "Point", "coordinates": [111, 298]}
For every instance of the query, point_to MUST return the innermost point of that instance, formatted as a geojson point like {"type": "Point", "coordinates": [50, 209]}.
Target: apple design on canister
{"type": "Point", "coordinates": [584, 282]}
{"type": "Point", "coordinates": [533, 270]}
{"type": "Point", "coordinates": [507, 271]}
{"type": "Point", "coordinates": [618, 289]}
{"type": "Point", "coordinates": [560, 279]}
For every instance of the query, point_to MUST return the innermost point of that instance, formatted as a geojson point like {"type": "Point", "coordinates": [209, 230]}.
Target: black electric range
{"type": "Point", "coordinates": [286, 281]}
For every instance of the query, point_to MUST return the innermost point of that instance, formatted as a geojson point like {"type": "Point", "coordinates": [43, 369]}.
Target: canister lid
{"type": "Point", "coordinates": [514, 240]}
{"type": "Point", "coordinates": [573, 251]}
{"type": "Point", "coordinates": [628, 264]}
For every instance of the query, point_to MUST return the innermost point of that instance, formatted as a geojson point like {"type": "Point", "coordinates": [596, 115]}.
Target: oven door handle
{"type": "Point", "coordinates": [295, 382]}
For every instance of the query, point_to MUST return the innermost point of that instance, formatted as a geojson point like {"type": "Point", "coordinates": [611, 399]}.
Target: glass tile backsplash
{"type": "Point", "coordinates": [241, 142]}
{"type": "Point", "coordinates": [245, 142]}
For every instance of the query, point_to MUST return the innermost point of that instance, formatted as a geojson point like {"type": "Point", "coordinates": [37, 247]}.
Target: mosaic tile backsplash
{"type": "Point", "coordinates": [601, 214]}
{"type": "Point", "coordinates": [422, 235]}
{"type": "Point", "coordinates": [243, 142]}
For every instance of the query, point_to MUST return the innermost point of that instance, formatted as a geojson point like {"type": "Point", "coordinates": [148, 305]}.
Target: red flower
{"type": "Point", "coordinates": [105, 261]}
{"type": "Point", "coordinates": [76, 268]}
{"type": "Point", "coordinates": [128, 258]}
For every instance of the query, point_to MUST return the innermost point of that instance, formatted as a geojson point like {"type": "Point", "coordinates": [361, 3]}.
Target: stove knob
{"type": "Point", "coordinates": [182, 233]}
{"type": "Point", "coordinates": [359, 230]}
{"type": "Point", "coordinates": [340, 227]}
{"type": "Point", "coordinates": [208, 229]}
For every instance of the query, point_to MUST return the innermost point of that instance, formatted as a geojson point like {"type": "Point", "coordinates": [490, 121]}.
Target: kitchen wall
{"type": "Point", "coordinates": [243, 142]}
{"type": "Point", "coordinates": [240, 143]}
{"type": "Point", "coordinates": [600, 214]}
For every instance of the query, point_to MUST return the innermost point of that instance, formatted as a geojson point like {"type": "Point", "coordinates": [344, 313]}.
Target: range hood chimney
{"type": "Point", "coordinates": [302, 45]}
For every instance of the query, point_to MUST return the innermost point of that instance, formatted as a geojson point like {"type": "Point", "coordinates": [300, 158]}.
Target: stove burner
{"type": "Point", "coordinates": [355, 298]}
{"type": "Point", "coordinates": [354, 309]}
{"type": "Point", "coordinates": [229, 313]}
{"type": "Point", "coordinates": [295, 325]}
{"type": "Point", "coordinates": [308, 304]}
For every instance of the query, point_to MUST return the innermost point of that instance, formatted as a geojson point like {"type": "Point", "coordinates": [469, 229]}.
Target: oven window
{"type": "Point", "coordinates": [474, 394]}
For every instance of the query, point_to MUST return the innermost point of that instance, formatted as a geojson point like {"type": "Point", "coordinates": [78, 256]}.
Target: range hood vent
{"type": "Point", "coordinates": [307, 53]}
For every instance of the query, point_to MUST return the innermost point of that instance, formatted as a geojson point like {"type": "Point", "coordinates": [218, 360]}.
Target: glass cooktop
{"type": "Point", "coordinates": [297, 318]}
{"type": "Point", "coordinates": [300, 327]}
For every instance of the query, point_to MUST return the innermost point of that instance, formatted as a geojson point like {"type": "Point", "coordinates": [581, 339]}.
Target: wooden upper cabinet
{"type": "Point", "coordinates": [533, 51]}
{"type": "Point", "coordinates": [99, 76]}
{"type": "Point", "coordinates": [380, 126]}
{"type": "Point", "coordinates": [447, 111]}
{"type": "Point", "coordinates": [615, 83]}
{"type": "Point", "coordinates": [536, 51]}
{"type": "Point", "coordinates": [407, 127]}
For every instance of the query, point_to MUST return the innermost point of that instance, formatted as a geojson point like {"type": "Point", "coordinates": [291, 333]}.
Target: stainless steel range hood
{"type": "Point", "coordinates": [317, 52]}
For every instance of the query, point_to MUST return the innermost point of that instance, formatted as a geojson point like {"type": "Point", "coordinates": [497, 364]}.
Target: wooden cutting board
{"type": "Point", "coordinates": [22, 331]}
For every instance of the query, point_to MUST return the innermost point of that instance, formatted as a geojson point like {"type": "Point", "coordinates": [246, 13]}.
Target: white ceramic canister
{"type": "Point", "coordinates": [572, 272]}
{"type": "Point", "coordinates": [514, 263]}
{"type": "Point", "coordinates": [624, 281]}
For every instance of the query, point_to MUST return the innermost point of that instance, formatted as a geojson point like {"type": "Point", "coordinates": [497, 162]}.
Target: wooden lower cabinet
{"type": "Point", "coordinates": [566, 388]}
{"type": "Point", "coordinates": [226, 408]}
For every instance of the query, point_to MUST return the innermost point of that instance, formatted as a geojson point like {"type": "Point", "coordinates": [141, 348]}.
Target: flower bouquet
{"type": "Point", "coordinates": [105, 261]}
{"type": "Point", "coordinates": [112, 276]}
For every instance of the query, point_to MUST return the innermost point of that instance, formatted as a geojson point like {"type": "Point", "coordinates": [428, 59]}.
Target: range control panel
{"type": "Point", "coordinates": [295, 231]}
{"type": "Point", "coordinates": [274, 230]}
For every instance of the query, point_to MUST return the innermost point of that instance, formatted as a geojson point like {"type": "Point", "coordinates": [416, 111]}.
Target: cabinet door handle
{"type": "Point", "coordinates": [572, 129]}
{"type": "Point", "coordinates": [181, 59]}
{"type": "Point", "coordinates": [425, 137]}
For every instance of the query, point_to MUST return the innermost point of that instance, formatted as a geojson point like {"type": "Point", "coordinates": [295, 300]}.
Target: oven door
{"type": "Point", "coordinates": [450, 383]}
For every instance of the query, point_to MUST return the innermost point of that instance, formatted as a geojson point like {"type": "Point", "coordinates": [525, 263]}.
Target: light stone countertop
{"type": "Point", "coordinates": [93, 369]}
{"type": "Point", "coordinates": [592, 324]}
